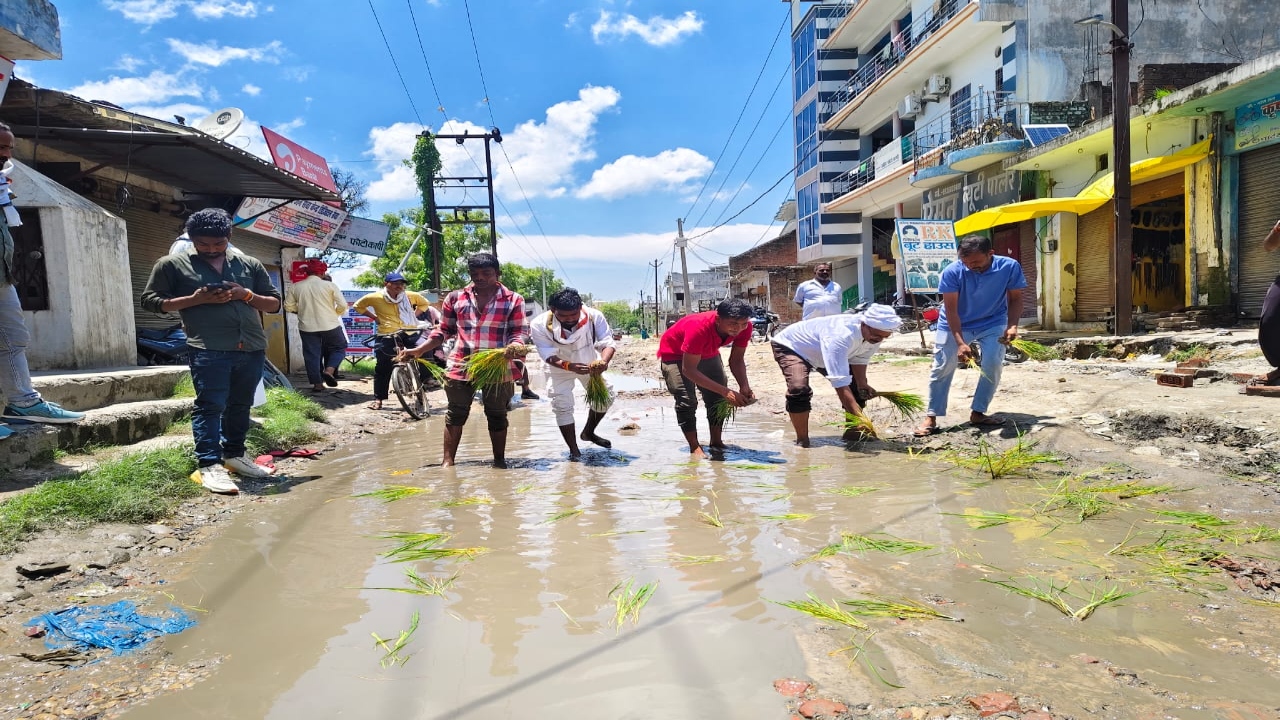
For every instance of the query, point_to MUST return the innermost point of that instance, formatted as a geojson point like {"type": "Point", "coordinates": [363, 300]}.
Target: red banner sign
{"type": "Point", "coordinates": [293, 158]}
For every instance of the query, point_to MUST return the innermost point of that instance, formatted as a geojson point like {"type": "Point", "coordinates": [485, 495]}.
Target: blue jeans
{"type": "Point", "coordinates": [944, 367]}
{"type": "Point", "coordinates": [322, 350]}
{"type": "Point", "coordinates": [15, 376]}
{"type": "Point", "coordinates": [225, 381]}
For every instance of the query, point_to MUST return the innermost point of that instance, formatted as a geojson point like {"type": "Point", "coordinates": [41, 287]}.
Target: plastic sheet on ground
{"type": "Point", "coordinates": [118, 627]}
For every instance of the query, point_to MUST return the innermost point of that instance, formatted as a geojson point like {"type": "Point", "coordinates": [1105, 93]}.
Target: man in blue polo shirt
{"type": "Point", "coordinates": [981, 302]}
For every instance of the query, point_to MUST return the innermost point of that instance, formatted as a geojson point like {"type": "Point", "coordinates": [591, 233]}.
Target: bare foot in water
{"type": "Point", "coordinates": [593, 438]}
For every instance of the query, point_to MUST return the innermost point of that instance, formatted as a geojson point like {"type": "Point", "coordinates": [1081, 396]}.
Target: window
{"type": "Point", "coordinates": [961, 112]}
{"type": "Point", "coordinates": [807, 207]}
{"type": "Point", "coordinates": [804, 60]}
{"type": "Point", "coordinates": [807, 138]}
{"type": "Point", "coordinates": [30, 279]}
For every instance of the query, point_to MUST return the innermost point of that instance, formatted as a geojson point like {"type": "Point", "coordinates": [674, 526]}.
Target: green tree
{"type": "Point", "coordinates": [528, 281]}
{"type": "Point", "coordinates": [352, 190]}
{"type": "Point", "coordinates": [619, 313]}
{"type": "Point", "coordinates": [459, 242]}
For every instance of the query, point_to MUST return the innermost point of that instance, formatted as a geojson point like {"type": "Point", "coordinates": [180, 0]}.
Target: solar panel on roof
{"type": "Point", "coordinates": [1041, 134]}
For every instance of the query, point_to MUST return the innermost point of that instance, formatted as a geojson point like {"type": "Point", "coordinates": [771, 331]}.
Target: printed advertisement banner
{"type": "Point", "coordinates": [361, 235]}
{"type": "Point", "coordinates": [301, 222]}
{"type": "Point", "coordinates": [1258, 123]}
{"type": "Point", "coordinates": [358, 327]}
{"type": "Point", "coordinates": [927, 246]}
{"type": "Point", "coordinates": [293, 158]}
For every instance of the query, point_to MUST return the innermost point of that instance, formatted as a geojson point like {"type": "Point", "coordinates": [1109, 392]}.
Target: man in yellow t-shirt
{"type": "Point", "coordinates": [395, 310]}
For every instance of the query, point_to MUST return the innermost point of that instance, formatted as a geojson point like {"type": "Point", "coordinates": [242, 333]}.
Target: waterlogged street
{"type": "Point", "coordinates": [291, 596]}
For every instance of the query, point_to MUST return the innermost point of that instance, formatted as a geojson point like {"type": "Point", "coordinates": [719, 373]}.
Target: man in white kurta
{"type": "Point", "coordinates": [837, 346]}
{"type": "Point", "coordinates": [575, 342]}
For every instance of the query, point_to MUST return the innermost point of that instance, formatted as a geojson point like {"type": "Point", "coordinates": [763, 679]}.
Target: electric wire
{"type": "Point", "coordinates": [785, 121]}
{"type": "Point", "coordinates": [724, 178]}
{"type": "Point", "coordinates": [395, 64]}
{"type": "Point", "coordinates": [475, 47]}
{"type": "Point", "coordinates": [413, 17]}
{"type": "Point", "coordinates": [785, 22]}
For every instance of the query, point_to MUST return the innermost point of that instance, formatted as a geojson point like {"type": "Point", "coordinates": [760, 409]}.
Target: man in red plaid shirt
{"type": "Point", "coordinates": [484, 315]}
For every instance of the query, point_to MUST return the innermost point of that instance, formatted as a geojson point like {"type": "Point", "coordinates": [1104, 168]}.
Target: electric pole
{"type": "Point", "coordinates": [684, 267]}
{"type": "Point", "coordinates": [462, 213]}
{"type": "Point", "coordinates": [655, 265]}
{"type": "Point", "coordinates": [1122, 255]}
{"type": "Point", "coordinates": [641, 308]}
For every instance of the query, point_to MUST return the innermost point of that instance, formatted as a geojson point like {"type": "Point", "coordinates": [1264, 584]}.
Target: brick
{"type": "Point", "coordinates": [1196, 362]}
{"type": "Point", "coordinates": [1175, 380]}
{"type": "Point", "coordinates": [1262, 390]}
{"type": "Point", "coordinates": [1242, 378]}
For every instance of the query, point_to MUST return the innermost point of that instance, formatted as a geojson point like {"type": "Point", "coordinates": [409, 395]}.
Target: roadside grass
{"type": "Point", "coordinates": [361, 368]}
{"type": "Point", "coordinates": [1193, 351]}
{"type": "Point", "coordinates": [138, 487]}
{"type": "Point", "coordinates": [286, 422]}
{"type": "Point", "coordinates": [185, 388]}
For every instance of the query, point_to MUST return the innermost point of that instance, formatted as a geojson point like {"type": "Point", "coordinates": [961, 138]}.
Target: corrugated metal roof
{"type": "Point", "coordinates": [194, 162]}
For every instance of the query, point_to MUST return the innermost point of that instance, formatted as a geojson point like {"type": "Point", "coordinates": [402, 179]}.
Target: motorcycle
{"type": "Point", "coordinates": [764, 324]}
{"type": "Point", "coordinates": [168, 346]}
{"type": "Point", "coordinates": [928, 314]}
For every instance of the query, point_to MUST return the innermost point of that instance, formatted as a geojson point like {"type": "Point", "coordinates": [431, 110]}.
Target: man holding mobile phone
{"type": "Point", "coordinates": [219, 297]}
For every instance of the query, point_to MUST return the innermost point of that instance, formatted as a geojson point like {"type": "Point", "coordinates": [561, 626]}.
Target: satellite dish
{"type": "Point", "coordinates": [221, 123]}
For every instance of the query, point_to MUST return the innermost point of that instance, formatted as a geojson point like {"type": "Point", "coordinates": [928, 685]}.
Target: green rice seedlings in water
{"type": "Point", "coordinates": [832, 613]}
{"type": "Point", "coordinates": [874, 606]}
{"type": "Point", "coordinates": [629, 601]}
{"type": "Point", "coordinates": [487, 368]}
{"type": "Point", "coordinates": [598, 396]}
{"type": "Point", "coordinates": [391, 493]}
{"type": "Point", "coordinates": [391, 649]}
{"type": "Point", "coordinates": [906, 404]}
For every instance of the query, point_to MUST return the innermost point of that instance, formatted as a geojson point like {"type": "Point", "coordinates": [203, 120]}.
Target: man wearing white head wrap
{"type": "Point", "coordinates": [837, 346]}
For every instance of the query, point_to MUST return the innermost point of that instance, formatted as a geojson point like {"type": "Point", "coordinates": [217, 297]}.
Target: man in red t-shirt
{"type": "Point", "coordinates": [690, 356]}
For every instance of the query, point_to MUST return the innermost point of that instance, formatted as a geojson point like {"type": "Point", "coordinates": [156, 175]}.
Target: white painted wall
{"type": "Point", "coordinates": [89, 323]}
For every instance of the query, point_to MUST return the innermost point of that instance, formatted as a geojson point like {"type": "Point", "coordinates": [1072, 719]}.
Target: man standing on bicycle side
{"type": "Point", "coordinates": [576, 343]}
{"type": "Point", "coordinates": [981, 303]}
{"type": "Point", "coordinates": [219, 296]}
{"type": "Point", "coordinates": [395, 310]}
{"type": "Point", "coordinates": [484, 315]}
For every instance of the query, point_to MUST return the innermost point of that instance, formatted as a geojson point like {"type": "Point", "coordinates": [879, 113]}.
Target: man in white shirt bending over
{"type": "Point", "coordinates": [820, 296]}
{"type": "Point", "coordinates": [839, 347]}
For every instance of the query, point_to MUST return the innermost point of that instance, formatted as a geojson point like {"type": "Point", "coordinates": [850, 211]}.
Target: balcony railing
{"type": "Point", "coordinates": [983, 118]}
{"type": "Point", "coordinates": [842, 10]}
{"type": "Point", "coordinates": [893, 54]}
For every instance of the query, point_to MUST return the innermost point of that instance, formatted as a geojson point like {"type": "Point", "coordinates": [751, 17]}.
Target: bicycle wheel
{"type": "Point", "coordinates": [409, 391]}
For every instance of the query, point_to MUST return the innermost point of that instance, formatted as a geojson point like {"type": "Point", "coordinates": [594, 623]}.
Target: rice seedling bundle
{"type": "Point", "coordinates": [1055, 595]}
{"type": "Point", "coordinates": [901, 609]}
{"type": "Point", "coordinates": [598, 396]}
{"type": "Point", "coordinates": [412, 544]}
{"type": "Point", "coordinates": [629, 602]}
{"type": "Point", "coordinates": [432, 369]}
{"type": "Point", "coordinates": [392, 648]}
{"type": "Point", "coordinates": [487, 368]}
{"type": "Point", "coordinates": [788, 516]}
{"type": "Point", "coordinates": [391, 493]}
{"type": "Point", "coordinates": [1019, 460]}
{"type": "Point", "coordinates": [683, 560]}
{"type": "Point", "coordinates": [420, 585]}
{"type": "Point", "coordinates": [982, 520]}
{"type": "Point", "coordinates": [1035, 350]}
{"type": "Point", "coordinates": [857, 422]}
{"type": "Point", "coordinates": [882, 542]}
{"type": "Point", "coordinates": [721, 412]}
{"type": "Point", "coordinates": [563, 515]}
{"type": "Point", "coordinates": [906, 404]}
{"type": "Point", "coordinates": [831, 613]}
{"type": "Point", "coordinates": [851, 490]}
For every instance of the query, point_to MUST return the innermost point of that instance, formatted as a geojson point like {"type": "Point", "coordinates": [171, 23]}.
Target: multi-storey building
{"type": "Point", "coordinates": [909, 108]}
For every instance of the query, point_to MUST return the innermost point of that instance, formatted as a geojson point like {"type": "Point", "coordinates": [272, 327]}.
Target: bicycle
{"type": "Point", "coordinates": [406, 380]}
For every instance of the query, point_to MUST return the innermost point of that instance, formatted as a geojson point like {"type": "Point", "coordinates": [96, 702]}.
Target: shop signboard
{"type": "Point", "coordinates": [927, 248]}
{"type": "Point", "coordinates": [361, 235]}
{"type": "Point", "coordinates": [301, 222]}
{"type": "Point", "coordinates": [979, 190]}
{"type": "Point", "coordinates": [358, 327]}
{"type": "Point", "coordinates": [1258, 123]}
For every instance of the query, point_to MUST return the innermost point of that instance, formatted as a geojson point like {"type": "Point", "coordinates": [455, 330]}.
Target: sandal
{"type": "Point", "coordinates": [1264, 380]}
{"type": "Point", "coordinates": [926, 431]}
{"type": "Point", "coordinates": [989, 421]}
{"type": "Point", "coordinates": [375, 405]}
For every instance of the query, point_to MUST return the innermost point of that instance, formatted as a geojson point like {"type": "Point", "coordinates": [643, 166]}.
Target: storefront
{"type": "Point", "coordinates": [1257, 140]}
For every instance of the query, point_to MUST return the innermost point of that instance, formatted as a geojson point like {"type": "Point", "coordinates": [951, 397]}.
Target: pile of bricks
{"type": "Point", "coordinates": [1186, 373]}
{"type": "Point", "coordinates": [1189, 319]}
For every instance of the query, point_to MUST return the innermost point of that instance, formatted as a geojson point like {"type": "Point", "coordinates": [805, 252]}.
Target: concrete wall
{"type": "Point", "coordinates": [29, 30]}
{"type": "Point", "coordinates": [1173, 31]}
{"type": "Point", "coordinates": [288, 255]}
{"type": "Point", "coordinates": [89, 323]}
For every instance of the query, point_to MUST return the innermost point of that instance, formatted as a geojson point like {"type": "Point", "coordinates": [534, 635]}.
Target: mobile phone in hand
{"type": "Point", "coordinates": [212, 287]}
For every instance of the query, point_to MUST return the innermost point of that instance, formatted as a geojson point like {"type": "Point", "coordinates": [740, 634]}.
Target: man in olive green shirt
{"type": "Point", "coordinates": [219, 296]}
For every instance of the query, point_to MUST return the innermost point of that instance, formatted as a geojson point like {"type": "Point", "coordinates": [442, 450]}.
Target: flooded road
{"type": "Point", "coordinates": [293, 595]}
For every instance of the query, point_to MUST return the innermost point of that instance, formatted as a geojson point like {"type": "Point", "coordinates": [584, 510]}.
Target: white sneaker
{"type": "Point", "coordinates": [215, 479]}
{"type": "Point", "coordinates": [244, 467]}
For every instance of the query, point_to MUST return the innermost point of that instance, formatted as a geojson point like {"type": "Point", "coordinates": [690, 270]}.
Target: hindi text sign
{"type": "Point", "coordinates": [301, 222]}
{"type": "Point", "coordinates": [928, 247]}
{"type": "Point", "coordinates": [361, 235]}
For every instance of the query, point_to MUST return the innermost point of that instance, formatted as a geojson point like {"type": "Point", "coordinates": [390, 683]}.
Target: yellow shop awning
{"type": "Point", "coordinates": [1098, 193]}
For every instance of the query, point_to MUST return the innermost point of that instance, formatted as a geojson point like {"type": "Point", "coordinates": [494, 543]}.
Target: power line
{"type": "Point", "coordinates": [394, 64]}
{"type": "Point", "coordinates": [423, 49]}
{"type": "Point", "coordinates": [785, 121]}
{"type": "Point", "coordinates": [785, 22]}
{"type": "Point", "coordinates": [475, 47]}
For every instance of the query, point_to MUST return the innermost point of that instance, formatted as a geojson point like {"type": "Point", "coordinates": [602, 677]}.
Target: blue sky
{"type": "Point", "coordinates": [613, 113]}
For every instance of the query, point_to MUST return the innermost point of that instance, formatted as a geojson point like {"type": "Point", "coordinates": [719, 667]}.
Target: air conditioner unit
{"type": "Point", "coordinates": [937, 86]}
{"type": "Point", "coordinates": [910, 106]}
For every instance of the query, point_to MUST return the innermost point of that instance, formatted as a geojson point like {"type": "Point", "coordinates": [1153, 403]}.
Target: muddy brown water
{"type": "Point", "coordinates": [525, 630]}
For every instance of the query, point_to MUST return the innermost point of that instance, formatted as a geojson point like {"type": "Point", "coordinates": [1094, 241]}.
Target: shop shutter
{"type": "Point", "coordinates": [1094, 294]}
{"type": "Point", "coordinates": [1259, 204]}
{"type": "Point", "coordinates": [1028, 259]}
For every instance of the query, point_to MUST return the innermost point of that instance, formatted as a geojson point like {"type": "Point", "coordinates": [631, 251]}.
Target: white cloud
{"type": "Point", "coordinates": [214, 9]}
{"type": "Point", "coordinates": [129, 63]}
{"type": "Point", "coordinates": [657, 30]}
{"type": "Point", "coordinates": [212, 55]}
{"type": "Point", "coordinates": [544, 155]}
{"type": "Point", "coordinates": [286, 127]}
{"type": "Point", "coordinates": [147, 12]}
{"type": "Point", "coordinates": [150, 12]}
{"type": "Point", "coordinates": [251, 89]}
{"type": "Point", "coordinates": [158, 87]}
{"type": "Point", "coordinates": [297, 74]}
{"type": "Point", "coordinates": [389, 147]}
{"type": "Point", "coordinates": [631, 174]}
{"type": "Point", "coordinates": [192, 112]}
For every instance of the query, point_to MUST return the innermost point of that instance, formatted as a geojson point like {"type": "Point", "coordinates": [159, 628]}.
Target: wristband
{"type": "Point", "coordinates": [248, 295]}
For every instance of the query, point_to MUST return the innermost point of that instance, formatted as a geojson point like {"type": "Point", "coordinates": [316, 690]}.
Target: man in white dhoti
{"type": "Point", "coordinates": [576, 343]}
